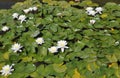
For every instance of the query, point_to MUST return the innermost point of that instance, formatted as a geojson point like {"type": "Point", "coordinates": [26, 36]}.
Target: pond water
{"type": "Point", "coordinates": [102, 2]}
{"type": "Point", "coordinates": [6, 4]}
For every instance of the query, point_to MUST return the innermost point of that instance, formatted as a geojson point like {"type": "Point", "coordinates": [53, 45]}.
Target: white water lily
{"type": "Point", "coordinates": [39, 40]}
{"type": "Point", "coordinates": [117, 43]}
{"type": "Point", "coordinates": [15, 15]}
{"type": "Point", "coordinates": [5, 28]}
{"type": "Point", "coordinates": [53, 49]}
{"type": "Point", "coordinates": [30, 17]}
{"type": "Point", "coordinates": [34, 8]}
{"type": "Point", "coordinates": [7, 70]}
{"type": "Point", "coordinates": [16, 47]}
{"type": "Point", "coordinates": [22, 18]}
{"type": "Point", "coordinates": [99, 10]}
{"type": "Point", "coordinates": [92, 21]}
{"type": "Point", "coordinates": [26, 11]}
{"type": "Point", "coordinates": [30, 9]}
{"type": "Point", "coordinates": [62, 44]}
{"type": "Point", "coordinates": [89, 9]}
{"type": "Point", "coordinates": [92, 12]}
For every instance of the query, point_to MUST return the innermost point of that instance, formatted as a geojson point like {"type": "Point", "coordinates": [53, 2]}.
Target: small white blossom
{"type": "Point", "coordinates": [7, 70]}
{"type": "Point", "coordinates": [40, 40]}
{"type": "Point", "coordinates": [92, 13]}
{"type": "Point", "coordinates": [30, 17]}
{"type": "Point", "coordinates": [5, 28]}
{"type": "Point", "coordinates": [34, 8]}
{"type": "Point", "coordinates": [99, 10]}
{"type": "Point", "coordinates": [22, 18]}
{"type": "Point", "coordinates": [117, 43]}
{"type": "Point", "coordinates": [15, 15]}
{"type": "Point", "coordinates": [92, 21]}
{"type": "Point", "coordinates": [53, 49]}
{"type": "Point", "coordinates": [105, 30]}
{"type": "Point", "coordinates": [26, 11]}
{"type": "Point", "coordinates": [16, 47]}
{"type": "Point", "coordinates": [89, 9]}
{"type": "Point", "coordinates": [62, 44]}
{"type": "Point", "coordinates": [30, 9]}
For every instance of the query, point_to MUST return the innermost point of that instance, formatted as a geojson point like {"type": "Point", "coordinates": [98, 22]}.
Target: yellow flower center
{"type": "Point", "coordinates": [7, 69]}
{"type": "Point", "coordinates": [61, 44]}
{"type": "Point", "coordinates": [53, 49]}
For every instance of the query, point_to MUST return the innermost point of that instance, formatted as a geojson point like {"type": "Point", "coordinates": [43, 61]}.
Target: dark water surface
{"type": "Point", "coordinates": [6, 4]}
{"type": "Point", "coordinates": [102, 2]}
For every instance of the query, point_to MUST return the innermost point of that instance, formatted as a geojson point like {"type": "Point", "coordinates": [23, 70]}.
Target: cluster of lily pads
{"type": "Point", "coordinates": [60, 39]}
{"type": "Point", "coordinates": [7, 69]}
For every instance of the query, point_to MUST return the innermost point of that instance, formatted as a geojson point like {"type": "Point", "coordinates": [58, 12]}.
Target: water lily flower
{"type": "Point", "coordinates": [99, 10]}
{"type": "Point", "coordinates": [53, 49]}
{"type": "Point", "coordinates": [92, 21]}
{"type": "Point", "coordinates": [62, 44]}
{"type": "Point", "coordinates": [15, 15]}
{"type": "Point", "coordinates": [30, 9]}
{"type": "Point", "coordinates": [5, 28]}
{"type": "Point", "coordinates": [40, 40]}
{"type": "Point", "coordinates": [26, 11]}
{"type": "Point", "coordinates": [34, 8]}
{"type": "Point", "coordinates": [92, 12]}
{"type": "Point", "coordinates": [117, 43]}
{"type": "Point", "coordinates": [7, 70]}
{"type": "Point", "coordinates": [89, 9]}
{"type": "Point", "coordinates": [30, 17]}
{"type": "Point", "coordinates": [16, 47]}
{"type": "Point", "coordinates": [22, 18]}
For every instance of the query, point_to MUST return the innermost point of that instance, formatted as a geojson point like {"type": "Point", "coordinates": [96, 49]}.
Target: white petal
{"type": "Point", "coordinates": [20, 50]}
{"type": "Point", "coordinates": [66, 47]}
{"type": "Point", "coordinates": [62, 49]}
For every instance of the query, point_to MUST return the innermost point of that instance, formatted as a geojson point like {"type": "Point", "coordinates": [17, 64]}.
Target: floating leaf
{"type": "Point", "coordinates": [1, 65]}
{"type": "Point", "coordinates": [6, 55]}
{"type": "Point", "coordinates": [59, 67]}
{"type": "Point", "coordinates": [113, 65]}
{"type": "Point", "coordinates": [27, 59]}
{"type": "Point", "coordinates": [111, 58]}
{"type": "Point", "coordinates": [35, 75]}
{"type": "Point", "coordinates": [29, 68]}
{"type": "Point", "coordinates": [76, 74]}
{"type": "Point", "coordinates": [104, 15]}
{"type": "Point", "coordinates": [19, 68]}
